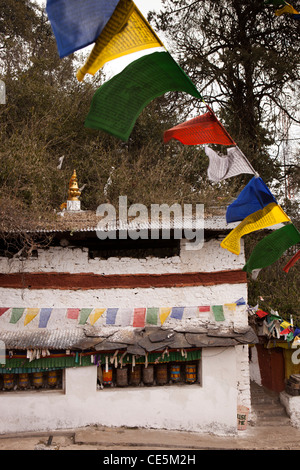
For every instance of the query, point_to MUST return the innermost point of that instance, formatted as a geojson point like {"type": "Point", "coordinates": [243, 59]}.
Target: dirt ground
{"type": "Point", "coordinates": [148, 440]}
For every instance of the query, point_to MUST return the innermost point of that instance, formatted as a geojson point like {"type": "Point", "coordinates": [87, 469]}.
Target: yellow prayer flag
{"type": "Point", "coordinates": [96, 315]}
{"type": "Point", "coordinates": [163, 314]}
{"type": "Point", "coordinates": [285, 324]}
{"type": "Point", "coordinates": [31, 313]}
{"type": "Point", "coordinates": [272, 214]}
{"type": "Point", "coordinates": [230, 307]}
{"type": "Point", "coordinates": [286, 9]}
{"type": "Point", "coordinates": [126, 32]}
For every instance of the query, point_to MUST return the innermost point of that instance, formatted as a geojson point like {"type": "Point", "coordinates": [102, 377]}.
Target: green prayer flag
{"type": "Point", "coordinates": [152, 315]}
{"type": "Point", "coordinates": [218, 312]}
{"type": "Point", "coordinates": [117, 104]}
{"type": "Point", "coordinates": [16, 314]}
{"type": "Point", "coordinates": [84, 315]}
{"type": "Point", "coordinates": [270, 248]}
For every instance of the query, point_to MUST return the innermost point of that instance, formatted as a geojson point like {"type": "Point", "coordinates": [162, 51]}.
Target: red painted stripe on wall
{"type": "Point", "coordinates": [83, 281]}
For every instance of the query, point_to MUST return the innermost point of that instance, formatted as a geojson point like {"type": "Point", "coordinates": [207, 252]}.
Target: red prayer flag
{"type": "Point", "coordinates": [292, 261]}
{"type": "Point", "coordinates": [205, 129]}
{"type": "Point", "coordinates": [261, 313]}
{"type": "Point", "coordinates": [139, 317]}
{"type": "Point", "coordinates": [205, 308]}
{"type": "Point", "coordinates": [3, 310]}
{"type": "Point", "coordinates": [73, 313]}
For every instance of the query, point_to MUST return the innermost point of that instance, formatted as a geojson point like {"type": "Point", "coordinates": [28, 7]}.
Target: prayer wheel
{"type": "Point", "coordinates": [135, 375]}
{"type": "Point", "coordinates": [52, 378]}
{"type": "Point", "coordinates": [175, 373]}
{"type": "Point", "coordinates": [8, 381]}
{"type": "Point", "coordinates": [38, 379]}
{"type": "Point", "coordinates": [161, 374]}
{"type": "Point", "coordinates": [23, 380]}
{"type": "Point", "coordinates": [190, 373]}
{"type": "Point", "coordinates": [122, 377]}
{"type": "Point", "coordinates": [148, 375]}
{"type": "Point", "coordinates": [107, 376]}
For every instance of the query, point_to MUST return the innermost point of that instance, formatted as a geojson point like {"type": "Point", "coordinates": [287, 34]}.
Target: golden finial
{"type": "Point", "coordinates": [74, 192]}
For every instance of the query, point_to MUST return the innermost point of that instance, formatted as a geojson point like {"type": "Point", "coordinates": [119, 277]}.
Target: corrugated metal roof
{"type": "Point", "coordinates": [142, 340]}
{"type": "Point", "coordinates": [47, 339]}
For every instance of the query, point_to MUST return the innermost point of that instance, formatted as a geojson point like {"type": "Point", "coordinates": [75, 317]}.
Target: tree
{"type": "Point", "coordinates": [244, 60]}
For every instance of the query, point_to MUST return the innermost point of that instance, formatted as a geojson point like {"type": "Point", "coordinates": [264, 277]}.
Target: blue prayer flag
{"type": "Point", "coordinates": [255, 196]}
{"type": "Point", "coordinates": [44, 317]}
{"type": "Point", "coordinates": [78, 23]}
{"type": "Point", "coordinates": [177, 312]}
{"type": "Point", "coordinates": [111, 314]}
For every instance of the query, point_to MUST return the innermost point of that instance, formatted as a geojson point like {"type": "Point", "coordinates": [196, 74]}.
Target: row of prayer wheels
{"type": "Point", "coordinates": [27, 380]}
{"type": "Point", "coordinates": [159, 374]}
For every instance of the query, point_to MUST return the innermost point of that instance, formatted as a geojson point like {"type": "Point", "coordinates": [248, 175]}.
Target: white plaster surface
{"type": "Point", "coordinates": [211, 406]}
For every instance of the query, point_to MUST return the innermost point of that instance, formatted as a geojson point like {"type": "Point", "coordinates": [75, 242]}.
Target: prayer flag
{"type": "Point", "coordinates": [72, 313]}
{"type": "Point", "coordinates": [31, 313]}
{"type": "Point", "coordinates": [261, 313]}
{"type": "Point", "coordinates": [139, 317]}
{"type": "Point", "coordinates": [3, 310]}
{"type": "Point", "coordinates": [111, 314]}
{"type": "Point", "coordinates": [255, 196]}
{"type": "Point", "coordinates": [152, 315]}
{"type": "Point", "coordinates": [163, 314]}
{"type": "Point", "coordinates": [78, 23]}
{"type": "Point", "coordinates": [204, 129]}
{"type": "Point", "coordinates": [126, 32]}
{"type": "Point", "coordinates": [292, 261]}
{"type": "Point", "coordinates": [16, 314]}
{"type": "Point", "coordinates": [177, 312]}
{"type": "Point", "coordinates": [118, 102]}
{"type": "Point", "coordinates": [84, 315]}
{"type": "Point", "coordinates": [44, 317]}
{"type": "Point", "coordinates": [93, 317]}
{"type": "Point", "coordinates": [286, 9]}
{"type": "Point", "coordinates": [269, 215]}
{"type": "Point", "coordinates": [270, 248]}
{"type": "Point", "coordinates": [222, 167]}
{"type": "Point", "coordinates": [218, 312]}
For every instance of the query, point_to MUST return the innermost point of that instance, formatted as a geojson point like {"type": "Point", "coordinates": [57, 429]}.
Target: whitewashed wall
{"type": "Point", "coordinates": [75, 260]}
{"type": "Point", "coordinates": [210, 407]}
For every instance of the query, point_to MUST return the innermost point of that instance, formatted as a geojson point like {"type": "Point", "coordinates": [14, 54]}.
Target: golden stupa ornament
{"type": "Point", "coordinates": [74, 192]}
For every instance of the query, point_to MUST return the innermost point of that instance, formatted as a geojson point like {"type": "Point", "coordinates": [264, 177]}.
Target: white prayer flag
{"type": "Point", "coordinates": [221, 167]}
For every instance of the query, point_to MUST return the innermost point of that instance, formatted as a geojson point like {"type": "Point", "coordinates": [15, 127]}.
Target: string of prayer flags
{"type": "Point", "coordinates": [204, 129]}
{"type": "Point", "coordinates": [287, 8]}
{"type": "Point", "coordinates": [222, 167]}
{"type": "Point", "coordinates": [126, 32]}
{"type": "Point", "coordinates": [255, 196]}
{"type": "Point", "coordinates": [292, 261]}
{"type": "Point", "coordinates": [54, 318]}
{"type": "Point", "coordinates": [118, 102]}
{"type": "Point", "coordinates": [76, 23]}
{"type": "Point", "coordinates": [266, 217]}
{"type": "Point", "coordinates": [270, 248]}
